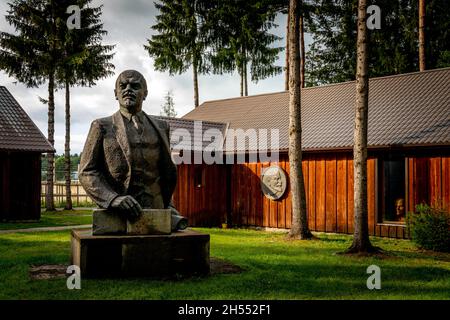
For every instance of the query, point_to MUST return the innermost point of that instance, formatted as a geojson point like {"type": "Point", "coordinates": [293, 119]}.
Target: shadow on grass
{"type": "Point", "coordinates": [422, 255]}
{"type": "Point", "coordinates": [333, 280]}
{"type": "Point", "coordinates": [335, 238]}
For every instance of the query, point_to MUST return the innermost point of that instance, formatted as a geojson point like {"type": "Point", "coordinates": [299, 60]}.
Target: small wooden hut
{"type": "Point", "coordinates": [21, 146]}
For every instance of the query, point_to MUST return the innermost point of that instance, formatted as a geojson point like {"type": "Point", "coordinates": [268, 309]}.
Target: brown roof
{"type": "Point", "coordinates": [178, 127]}
{"type": "Point", "coordinates": [408, 110]}
{"type": "Point", "coordinates": [17, 130]}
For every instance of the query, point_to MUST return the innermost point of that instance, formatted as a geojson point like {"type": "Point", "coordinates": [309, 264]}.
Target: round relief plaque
{"type": "Point", "coordinates": [273, 182]}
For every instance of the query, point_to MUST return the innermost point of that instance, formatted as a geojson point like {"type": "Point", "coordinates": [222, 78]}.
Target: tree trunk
{"type": "Point", "coordinates": [286, 68]}
{"type": "Point", "coordinates": [299, 228]}
{"type": "Point", "coordinates": [68, 205]}
{"type": "Point", "coordinates": [194, 67]}
{"type": "Point", "coordinates": [361, 242]}
{"type": "Point", "coordinates": [241, 74]}
{"type": "Point", "coordinates": [49, 201]}
{"type": "Point", "coordinates": [421, 35]}
{"type": "Point", "coordinates": [245, 79]}
{"type": "Point", "coordinates": [302, 53]}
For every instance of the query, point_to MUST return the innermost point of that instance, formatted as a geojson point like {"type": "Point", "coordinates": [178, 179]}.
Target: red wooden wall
{"type": "Point", "coordinates": [205, 205]}
{"type": "Point", "coordinates": [431, 181]}
{"type": "Point", "coordinates": [329, 190]}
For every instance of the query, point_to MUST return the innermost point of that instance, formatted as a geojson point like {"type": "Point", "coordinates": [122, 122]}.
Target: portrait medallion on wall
{"type": "Point", "coordinates": [273, 182]}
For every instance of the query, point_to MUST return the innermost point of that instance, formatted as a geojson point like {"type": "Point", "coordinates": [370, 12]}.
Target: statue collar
{"type": "Point", "coordinates": [128, 115]}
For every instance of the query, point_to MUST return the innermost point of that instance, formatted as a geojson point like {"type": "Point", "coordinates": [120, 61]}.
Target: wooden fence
{"type": "Point", "coordinates": [79, 196]}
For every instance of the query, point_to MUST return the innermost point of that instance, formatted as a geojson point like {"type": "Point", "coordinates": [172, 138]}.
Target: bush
{"type": "Point", "coordinates": [429, 227]}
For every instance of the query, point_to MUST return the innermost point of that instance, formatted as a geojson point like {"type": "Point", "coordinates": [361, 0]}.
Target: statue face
{"type": "Point", "coordinates": [131, 90]}
{"type": "Point", "coordinates": [400, 208]}
{"type": "Point", "coordinates": [275, 182]}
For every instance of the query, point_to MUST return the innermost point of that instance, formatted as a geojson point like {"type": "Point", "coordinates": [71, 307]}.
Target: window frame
{"type": "Point", "coordinates": [379, 186]}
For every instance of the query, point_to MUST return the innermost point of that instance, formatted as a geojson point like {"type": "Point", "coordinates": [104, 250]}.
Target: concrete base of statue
{"type": "Point", "coordinates": [103, 256]}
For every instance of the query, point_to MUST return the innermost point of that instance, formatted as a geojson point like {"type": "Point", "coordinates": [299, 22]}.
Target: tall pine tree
{"type": "Point", "coordinates": [31, 55]}
{"type": "Point", "coordinates": [84, 62]}
{"type": "Point", "coordinates": [361, 242]}
{"type": "Point", "coordinates": [242, 41]}
{"type": "Point", "coordinates": [299, 228]}
{"type": "Point", "coordinates": [43, 49]}
{"type": "Point", "coordinates": [180, 42]}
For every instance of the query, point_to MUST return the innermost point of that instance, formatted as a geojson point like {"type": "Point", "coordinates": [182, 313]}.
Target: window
{"type": "Point", "coordinates": [391, 182]}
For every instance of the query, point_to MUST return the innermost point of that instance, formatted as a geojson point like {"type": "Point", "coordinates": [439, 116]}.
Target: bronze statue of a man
{"type": "Point", "coordinates": [126, 163]}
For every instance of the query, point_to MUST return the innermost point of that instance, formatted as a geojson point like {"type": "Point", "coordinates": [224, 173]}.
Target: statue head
{"type": "Point", "coordinates": [400, 208]}
{"type": "Point", "coordinates": [131, 90]}
{"type": "Point", "coordinates": [274, 182]}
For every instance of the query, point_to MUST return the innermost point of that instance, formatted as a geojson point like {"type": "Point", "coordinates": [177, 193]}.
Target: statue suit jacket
{"type": "Point", "coordinates": [105, 162]}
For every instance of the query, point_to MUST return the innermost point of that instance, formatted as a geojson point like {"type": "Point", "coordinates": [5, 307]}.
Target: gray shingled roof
{"type": "Point", "coordinates": [180, 127]}
{"type": "Point", "coordinates": [408, 110]}
{"type": "Point", "coordinates": [17, 130]}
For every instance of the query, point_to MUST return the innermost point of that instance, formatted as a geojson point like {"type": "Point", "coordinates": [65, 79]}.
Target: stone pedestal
{"type": "Point", "coordinates": [183, 252]}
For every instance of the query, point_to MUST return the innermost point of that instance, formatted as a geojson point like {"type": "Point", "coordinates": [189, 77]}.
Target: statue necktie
{"type": "Point", "coordinates": [137, 124]}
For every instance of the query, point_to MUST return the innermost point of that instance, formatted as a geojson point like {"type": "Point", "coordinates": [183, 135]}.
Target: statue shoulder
{"type": "Point", "coordinates": [102, 123]}
{"type": "Point", "coordinates": [163, 125]}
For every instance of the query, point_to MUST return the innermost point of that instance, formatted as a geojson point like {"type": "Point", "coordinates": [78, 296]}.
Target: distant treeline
{"type": "Point", "coordinates": [59, 166]}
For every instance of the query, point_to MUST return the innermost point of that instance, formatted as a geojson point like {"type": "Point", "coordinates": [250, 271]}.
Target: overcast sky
{"type": "Point", "coordinates": [129, 26]}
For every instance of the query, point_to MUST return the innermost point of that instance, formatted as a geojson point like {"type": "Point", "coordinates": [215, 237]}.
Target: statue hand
{"type": "Point", "coordinates": [129, 205]}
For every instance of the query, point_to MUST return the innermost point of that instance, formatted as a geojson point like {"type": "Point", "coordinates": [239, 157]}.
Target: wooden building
{"type": "Point", "coordinates": [409, 155]}
{"type": "Point", "coordinates": [21, 146]}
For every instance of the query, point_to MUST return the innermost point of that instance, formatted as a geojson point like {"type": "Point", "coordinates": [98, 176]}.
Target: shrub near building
{"type": "Point", "coordinates": [429, 227]}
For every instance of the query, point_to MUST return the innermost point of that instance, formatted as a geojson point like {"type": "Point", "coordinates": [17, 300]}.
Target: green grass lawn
{"type": "Point", "coordinates": [274, 268]}
{"type": "Point", "coordinates": [54, 219]}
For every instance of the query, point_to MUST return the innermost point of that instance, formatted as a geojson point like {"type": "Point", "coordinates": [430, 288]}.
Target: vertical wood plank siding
{"type": "Point", "coordinates": [329, 191]}
{"type": "Point", "coordinates": [204, 205]}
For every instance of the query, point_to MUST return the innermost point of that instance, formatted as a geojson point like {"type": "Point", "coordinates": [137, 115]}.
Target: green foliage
{"type": "Point", "coordinates": [30, 55]}
{"type": "Point", "coordinates": [393, 49]}
{"type": "Point", "coordinates": [241, 38]}
{"type": "Point", "coordinates": [84, 58]}
{"type": "Point", "coordinates": [444, 59]}
{"type": "Point", "coordinates": [429, 227]}
{"type": "Point", "coordinates": [168, 108]}
{"type": "Point", "coordinates": [219, 36]}
{"type": "Point", "coordinates": [60, 166]}
{"type": "Point", "coordinates": [43, 44]}
{"type": "Point", "coordinates": [179, 42]}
